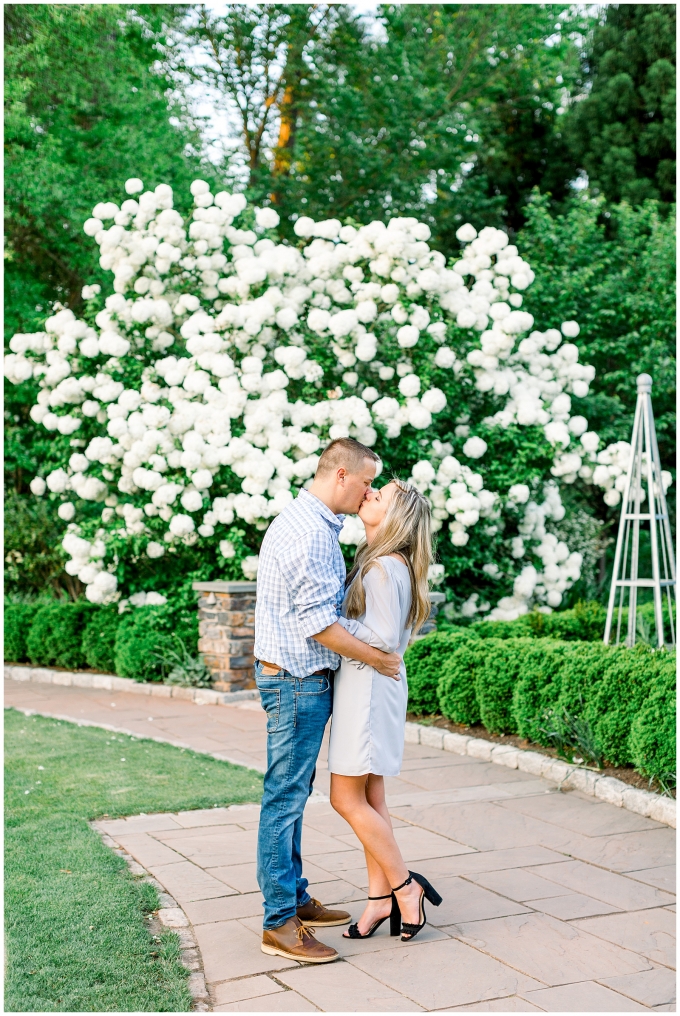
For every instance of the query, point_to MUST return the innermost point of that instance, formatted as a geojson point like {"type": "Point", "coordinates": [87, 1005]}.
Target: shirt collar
{"type": "Point", "coordinates": [317, 505]}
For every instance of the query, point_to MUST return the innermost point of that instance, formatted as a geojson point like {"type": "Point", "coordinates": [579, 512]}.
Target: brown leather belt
{"type": "Point", "coordinates": [274, 669]}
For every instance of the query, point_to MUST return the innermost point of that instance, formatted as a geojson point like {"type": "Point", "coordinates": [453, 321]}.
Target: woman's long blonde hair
{"type": "Point", "coordinates": [405, 530]}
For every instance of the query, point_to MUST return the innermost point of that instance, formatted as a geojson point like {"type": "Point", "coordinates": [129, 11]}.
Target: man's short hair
{"type": "Point", "coordinates": [344, 452]}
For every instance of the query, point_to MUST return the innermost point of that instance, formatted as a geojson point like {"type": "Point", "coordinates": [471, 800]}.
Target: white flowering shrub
{"type": "Point", "coordinates": [190, 404]}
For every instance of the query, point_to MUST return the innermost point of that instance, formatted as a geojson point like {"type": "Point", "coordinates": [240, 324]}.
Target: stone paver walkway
{"type": "Point", "coordinates": [553, 902]}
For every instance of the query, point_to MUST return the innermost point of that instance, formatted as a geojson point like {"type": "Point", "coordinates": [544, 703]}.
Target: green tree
{"type": "Point", "coordinates": [85, 108]}
{"type": "Point", "coordinates": [452, 112]}
{"type": "Point", "coordinates": [623, 133]}
{"type": "Point", "coordinates": [612, 269]}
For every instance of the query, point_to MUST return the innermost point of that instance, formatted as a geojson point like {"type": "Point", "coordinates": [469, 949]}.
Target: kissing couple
{"type": "Point", "coordinates": [327, 643]}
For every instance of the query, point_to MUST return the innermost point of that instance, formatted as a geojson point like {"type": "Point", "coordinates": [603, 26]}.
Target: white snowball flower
{"type": "Point", "coordinates": [466, 233]}
{"type": "Point", "coordinates": [557, 432]}
{"type": "Point", "coordinates": [155, 550]}
{"type": "Point", "coordinates": [267, 218]}
{"type": "Point", "coordinates": [612, 497]}
{"type": "Point", "coordinates": [343, 323]}
{"type": "Point", "coordinates": [66, 511]}
{"type": "Point", "coordinates": [202, 479]}
{"type": "Point", "coordinates": [434, 400]}
{"type": "Point", "coordinates": [58, 481]}
{"type": "Point", "coordinates": [304, 226]}
{"type": "Point", "coordinates": [389, 293]}
{"type": "Point", "coordinates": [578, 425]}
{"type": "Point", "coordinates": [181, 525]}
{"type": "Point", "coordinates": [474, 447]}
{"type": "Point", "coordinates": [466, 318]}
{"type": "Point", "coordinates": [519, 493]}
{"type": "Point", "coordinates": [407, 336]}
{"type": "Point", "coordinates": [444, 357]}
{"type": "Point", "coordinates": [102, 589]}
{"type": "Point", "coordinates": [134, 185]}
{"type": "Point", "coordinates": [318, 320]}
{"type": "Point", "coordinates": [249, 567]}
{"type": "Point", "coordinates": [570, 329]}
{"type": "Point", "coordinates": [590, 441]}
{"type": "Point", "coordinates": [199, 187]}
{"type": "Point", "coordinates": [419, 417]}
{"type": "Point", "coordinates": [409, 386]}
{"type": "Point", "coordinates": [38, 486]}
{"type": "Point", "coordinates": [227, 549]}
{"type": "Point", "coordinates": [191, 500]}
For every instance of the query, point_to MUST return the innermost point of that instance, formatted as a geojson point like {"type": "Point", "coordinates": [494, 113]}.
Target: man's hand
{"type": "Point", "coordinates": [388, 664]}
{"type": "Point", "coordinates": [337, 639]}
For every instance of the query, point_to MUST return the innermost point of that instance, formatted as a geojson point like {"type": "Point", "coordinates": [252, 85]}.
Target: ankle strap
{"type": "Point", "coordinates": [407, 882]}
{"type": "Point", "coordinates": [388, 897]}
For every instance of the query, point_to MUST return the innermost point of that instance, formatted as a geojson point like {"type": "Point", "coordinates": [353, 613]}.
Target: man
{"type": "Point", "coordinates": [299, 639]}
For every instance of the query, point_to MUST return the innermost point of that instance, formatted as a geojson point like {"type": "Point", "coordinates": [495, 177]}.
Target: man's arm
{"type": "Point", "coordinates": [338, 640]}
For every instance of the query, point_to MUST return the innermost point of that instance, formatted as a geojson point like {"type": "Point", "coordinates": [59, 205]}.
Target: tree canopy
{"type": "Point", "coordinates": [85, 107]}
{"type": "Point", "coordinates": [623, 132]}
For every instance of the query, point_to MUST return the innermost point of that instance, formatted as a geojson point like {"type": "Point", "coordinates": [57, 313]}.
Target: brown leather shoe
{"type": "Point", "coordinates": [314, 915]}
{"type": "Point", "coordinates": [296, 942]}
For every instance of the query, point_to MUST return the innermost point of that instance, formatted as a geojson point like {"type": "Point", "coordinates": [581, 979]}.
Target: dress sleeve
{"type": "Point", "coordinates": [363, 633]}
{"type": "Point", "coordinates": [383, 610]}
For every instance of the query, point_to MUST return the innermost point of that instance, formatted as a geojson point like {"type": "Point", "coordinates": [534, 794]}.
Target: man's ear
{"type": "Point", "coordinates": [341, 475]}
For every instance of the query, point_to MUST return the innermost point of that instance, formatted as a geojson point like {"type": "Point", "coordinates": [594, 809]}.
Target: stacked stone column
{"type": "Point", "coordinates": [226, 632]}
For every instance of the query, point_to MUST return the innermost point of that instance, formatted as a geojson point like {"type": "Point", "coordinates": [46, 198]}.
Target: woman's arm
{"type": "Point", "coordinates": [382, 623]}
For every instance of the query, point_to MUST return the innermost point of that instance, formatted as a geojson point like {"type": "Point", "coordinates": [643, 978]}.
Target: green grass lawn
{"type": "Point", "coordinates": [75, 918]}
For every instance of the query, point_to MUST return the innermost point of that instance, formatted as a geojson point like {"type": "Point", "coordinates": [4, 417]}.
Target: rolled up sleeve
{"type": "Point", "coordinates": [314, 587]}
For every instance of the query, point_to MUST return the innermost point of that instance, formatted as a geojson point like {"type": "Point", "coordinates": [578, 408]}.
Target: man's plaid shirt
{"type": "Point", "coordinates": [300, 587]}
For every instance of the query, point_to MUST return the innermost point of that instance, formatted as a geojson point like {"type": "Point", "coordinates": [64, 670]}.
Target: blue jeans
{"type": "Point", "coordinates": [297, 710]}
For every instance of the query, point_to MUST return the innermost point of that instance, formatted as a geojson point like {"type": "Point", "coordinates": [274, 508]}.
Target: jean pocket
{"type": "Point", "coordinates": [271, 703]}
{"type": "Point", "coordinates": [313, 686]}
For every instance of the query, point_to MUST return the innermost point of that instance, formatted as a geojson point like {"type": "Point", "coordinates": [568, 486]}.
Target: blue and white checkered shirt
{"type": "Point", "coordinates": [300, 587]}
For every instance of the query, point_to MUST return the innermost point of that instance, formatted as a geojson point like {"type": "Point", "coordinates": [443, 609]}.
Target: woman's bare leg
{"type": "Point", "coordinates": [349, 797]}
{"type": "Point", "coordinates": [378, 882]}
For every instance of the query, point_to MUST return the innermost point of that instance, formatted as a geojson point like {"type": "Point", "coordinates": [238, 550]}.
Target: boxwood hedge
{"type": "Point", "coordinates": [624, 698]}
{"type": "Point", "coordinates": [79, 635]}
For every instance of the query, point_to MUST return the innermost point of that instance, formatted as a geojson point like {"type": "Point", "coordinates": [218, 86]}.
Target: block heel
{"type": "Point", "coordinates": [429, 893]}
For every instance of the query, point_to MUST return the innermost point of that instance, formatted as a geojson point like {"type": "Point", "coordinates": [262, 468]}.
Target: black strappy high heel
{"type": "Point", "coordinates": [409, 931]}
{"type": "Point", "coordinates": [394, 916]}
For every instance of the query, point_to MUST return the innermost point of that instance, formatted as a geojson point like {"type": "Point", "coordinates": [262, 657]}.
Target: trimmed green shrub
{"type": "Point", "coordinates": [652, 737]}
{"type": "Point", "coordinates": [496, 679]}
{"type": "Point", "coordinates": [424, 661]}
{"type": "Point", "coordinates": [538, 688]}
{"type": "Point", "coordinates": [56, 634]}
{"type": "Point", "coordinates": [99, 639]}
{"type": "Point", "coordinates": [627, 676]}
{"type": "Point", "coordinates": [456, 691]}
{"type": "Point", "coordinates": [603, 703]}
{"type": "Point", "coordinates": [18, 620]}
{"type": "Point", "coordinates": [148, 634]}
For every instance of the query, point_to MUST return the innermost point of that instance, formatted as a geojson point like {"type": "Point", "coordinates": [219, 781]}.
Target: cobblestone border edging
{"type": "Point", "coordinates": [571, 777]}
{"type": "Point", "coordinates": [171, 916]}
{"type": "Point", "coordinates": [108, 682]}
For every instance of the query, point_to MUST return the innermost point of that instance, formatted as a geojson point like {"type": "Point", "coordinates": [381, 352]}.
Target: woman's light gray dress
{"type": "Point", "coordinates": [369, 709]}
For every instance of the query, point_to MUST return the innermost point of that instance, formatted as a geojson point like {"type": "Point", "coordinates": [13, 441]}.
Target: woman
{"type": "Point", "coordinates": [388, 594]}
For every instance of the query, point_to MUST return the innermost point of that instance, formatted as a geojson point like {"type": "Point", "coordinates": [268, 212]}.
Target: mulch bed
{"type": "Point", "coordinates": [624, 773]}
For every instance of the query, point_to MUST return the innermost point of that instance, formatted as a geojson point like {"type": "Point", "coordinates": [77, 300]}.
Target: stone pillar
{"type": "Point", "coordinates": [436, 601]}
{"type": "Point", "coordinates": [226, 632]}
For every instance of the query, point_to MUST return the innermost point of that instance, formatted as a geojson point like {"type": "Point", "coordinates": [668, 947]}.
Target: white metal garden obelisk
{"type": "Point", "coordinates": [643, 487]}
